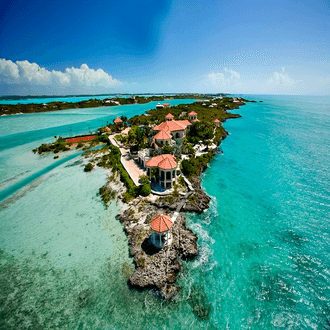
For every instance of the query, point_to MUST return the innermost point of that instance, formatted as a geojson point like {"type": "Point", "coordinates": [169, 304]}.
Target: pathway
{"type": "Point", "coordinates": [129, 164]}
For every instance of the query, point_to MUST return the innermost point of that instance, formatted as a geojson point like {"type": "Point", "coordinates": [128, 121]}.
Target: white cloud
{"type": "Point", "coordinates": [282, 83]}
{"type": "Point", "coordinates": [227, 79]}
{"type": "Point", "coordinates": [8, 70]}
{"type": "Point", "coordinates": [281, 79]}
{"type": "Point", "coordinates": [72, 79]}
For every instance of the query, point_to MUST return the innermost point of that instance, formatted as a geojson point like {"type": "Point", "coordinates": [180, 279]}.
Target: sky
{"type": "Point", "coordinates": [179, 46]}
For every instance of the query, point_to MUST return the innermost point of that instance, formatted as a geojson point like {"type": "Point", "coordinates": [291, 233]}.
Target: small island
{"type": "Point", "coordinates": [153, 163]}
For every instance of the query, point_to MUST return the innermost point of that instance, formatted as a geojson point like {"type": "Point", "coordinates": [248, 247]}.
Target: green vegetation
{"type": "Point", "coordinates": [168, 199]}
{"type": "Point", "coordinates": [9, 109]}
{"type": "Point", "coordinates": [181, 181]}
{"type": "Point", "coordinates": [61, 145]}
{"type": "Point", "coordinates": [131, 212]}
{"type": "Point", "coordinates": [55, 147]}
{"type": "Point", "coordinates": [89, 167]}
{"type": "Point", "coordinates": [112, 160]}
{"type": "Point", "coordinates": [107, 194]}
{"type": "Point", "coordinates": [145, 190]}
{"type": "Point", "coordinates": [141, 262]}
{"type": "Point", "coordinates": [195, 166]}
{"type": "Point", "coordinates": [167, 149]}
{"type": "Point", "coordinates": [200, 131]}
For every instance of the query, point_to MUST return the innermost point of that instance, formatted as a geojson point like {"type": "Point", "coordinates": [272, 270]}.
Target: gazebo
{"type": "Point", "coordinates": [166, 166]}
{"type": "Point", "coordinates": [160, 226]}
{"type": "Point", "coordinates": [192, 115]}
{"type": "Point", "coordinates": [169, 117]}
{"type": "Point", "coordinates": [117, 120]}
{"type": "Point", "coordinates": [217, 122]}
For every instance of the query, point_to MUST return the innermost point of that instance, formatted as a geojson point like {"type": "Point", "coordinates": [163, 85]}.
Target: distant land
{"type": "Point", "coordinates": [27, 97]}
{"type": "Point", "coordinates": [56, 105]}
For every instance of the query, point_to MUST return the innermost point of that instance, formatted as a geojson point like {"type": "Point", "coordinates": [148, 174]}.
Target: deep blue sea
{"type": "Point", "coordinates": [264, 256]}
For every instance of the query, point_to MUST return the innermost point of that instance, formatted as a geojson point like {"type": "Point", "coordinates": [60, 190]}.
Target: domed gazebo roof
{"type": "Point", "coordinates": [117, 120]}
{"type": "Point", "coordinates": [161, 223]}
{"type": "Point", "coordinates": [167, 164]}
{"type": "Point", "coordinates": [169, 116]}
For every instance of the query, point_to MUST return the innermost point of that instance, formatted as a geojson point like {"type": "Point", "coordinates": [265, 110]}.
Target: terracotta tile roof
{"type": "Point", "coordinates": [154, 161]}
{"type": "Point", "coordinates": [195, 120]}
{"type": "Point", "coordinates": [163, 135]}
{"type": "Point", "coordinates": [107, 129]}
{"type": "Point", "coordinates": [161, 223]}
{"type": "Point", "coordinates": [169, 115]}
{"type": "Point", "coordinates": [216, 120]}
{"type": "Point", "coordinates": [192, 113]}
{"type": "Point", "coordinates": [117, 120]}
{"type": "Point", "coordinates": [183, 122]}
{"type": "Point", "coordinates": [167, 164]}
{"type": "Point", "coordinates": [170, 126]}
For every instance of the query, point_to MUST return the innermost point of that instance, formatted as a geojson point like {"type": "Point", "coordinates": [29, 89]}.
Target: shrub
{"type": "Point", "coordinates": [194, 166]}
{"type": "Point", "coordinates": [127, 197]}
{"type": "Point", "coordinates": [44, 148]}
{"type": "Point", "coordinates": [131, 212]}
{"type": "Point", "coordinates": [144, 179]}
{"type": "Point", "coordinates": [167, 149]}
{"type": "Point", "coordinates": [102, 138]}
{"type": "Point", "coordinates": [145, 189]}
{"type": "Point", "coordinates": [88, 167]}
{"type": "Point", "coordinates": [107, 194]}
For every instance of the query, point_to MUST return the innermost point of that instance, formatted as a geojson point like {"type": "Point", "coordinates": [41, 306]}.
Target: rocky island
{"type": "Point", "coordinates": [153, 162]}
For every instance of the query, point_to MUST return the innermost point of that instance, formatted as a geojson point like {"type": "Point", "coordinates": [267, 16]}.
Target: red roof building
{"type": "Point", "coordinates": [169, 116]}
{"type": "Point", "coordinates": [161, 223]}
{"type": "Point", "coordinates": [166, 166]}
{"type": "Point", "coordinates": [154, 161]}
{"type": "Point", "coordinates": [175, 127]}
{"type": "Point", "coordinates": [171, 126]}
{"type": "Point", "coordinates": [192, 115]}
{"type": "Point", "coordinates": [117, 120]}
{"type": "Point", "coordinates": [217, 122]}
{"type": "Point", "coordinates": [162, 137]}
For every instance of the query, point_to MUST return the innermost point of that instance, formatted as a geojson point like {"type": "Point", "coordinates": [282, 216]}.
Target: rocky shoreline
{"type": "Point", "coordinates": [158, 268]}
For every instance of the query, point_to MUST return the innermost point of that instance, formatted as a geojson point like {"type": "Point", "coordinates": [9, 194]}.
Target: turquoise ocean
{"type": "Point", "coordinates": [264, 257]}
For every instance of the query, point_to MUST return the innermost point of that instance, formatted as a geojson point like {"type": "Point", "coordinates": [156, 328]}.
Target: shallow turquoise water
{"type": "Point", "coordinates": [266, 237]}
{"type": "Point", "coordinates": [74, 99]}
{"type": "Point", "coordinates": [56, 99]}
{"type": "Point", "coordinates": [264, 242]}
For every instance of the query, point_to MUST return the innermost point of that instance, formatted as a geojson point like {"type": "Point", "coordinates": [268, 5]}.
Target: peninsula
{"type": "Point", "coordinates": [153, 162]}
